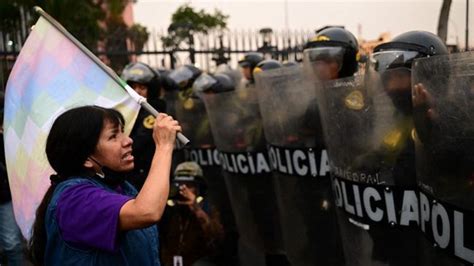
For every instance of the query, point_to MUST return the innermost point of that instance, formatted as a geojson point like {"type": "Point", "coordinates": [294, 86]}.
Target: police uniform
{"type": "Point", "coordinates": [250, 60]}
{"type": "Point", "coordinates": [142, 131]}
{"type": "Point", "coordinates": [396, 154]}
{"type": "Point", "coordinates": [143, 143]}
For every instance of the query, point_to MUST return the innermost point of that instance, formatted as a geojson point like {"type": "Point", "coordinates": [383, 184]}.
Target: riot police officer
{"type": "Point", "coordinates": [290, 63]}
{"type": "Point", "coordinates": [391, 63]}
{"type": "Point", "coordinates": [442, 104]}
{"type": "Point", "coordinates": [292, 129]}
{"type": "Point", "coordinates": [185, 75]}
{"type": "Point", "coordinates": [334, 53]}
{"type": "Point", "coordinates": [146, 82]}
{"type": "Point", "coordinates": [216, 83]}
{"type": "Point", "coordinates": [267, 64]}
{"type": "Point", "coordinates": [167, 83]}
{"type": "Point", "coordinates": [254, 130]}
{"type": "Point", "coordinates": [237, 131]}
{"type": "Point", "coordinates": [197, 125]}
{"type": "Point", "coordinates": [248, 63]}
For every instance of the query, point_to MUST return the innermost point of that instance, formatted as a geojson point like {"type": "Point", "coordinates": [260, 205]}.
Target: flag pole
{"type": "Point", "coordinates": [141, 100]}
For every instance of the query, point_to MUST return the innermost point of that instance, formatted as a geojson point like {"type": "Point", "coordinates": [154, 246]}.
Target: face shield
{"type": "Point", "coordinates": [326, 61]}
{"type": "Point", "coordinates": [393, 68]}
{"type": "Point", "coordinates": [387, 60]}
{"type": "Point", "coordinates": [181, 76]}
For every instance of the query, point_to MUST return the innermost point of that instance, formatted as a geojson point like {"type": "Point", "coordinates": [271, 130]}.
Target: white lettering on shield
{"type": "Point", "coordinates": [442, 223]}
{"type": "Point", "coordinates": [298, 162]}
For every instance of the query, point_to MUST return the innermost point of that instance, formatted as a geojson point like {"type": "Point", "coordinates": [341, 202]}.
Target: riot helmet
{"type": "Point", "coordinates": [223, 68]}
{"type": "Point", "coordinates": [168, 83]}
{"type": "Point", "coordinates": [185, 75]}
{"type": "Point", "coordinates": [290, 63]}
{"type": "Point", "coordinates": [136, 74]}
{"type": "Point", "coordinates": [405, 48]}
{"type": "Point", "coordinates": [266, 65]}
{"type": "Point", "coordinates": [234, 74]}
{"type": "Point", "coordinates": [216, 83]}
{"type": "Point", "coordinates": [335, 53]}
{"type": "Point", "coordinates": [249, 62]}
{"type": "Point", "coordinates": [393, 61]}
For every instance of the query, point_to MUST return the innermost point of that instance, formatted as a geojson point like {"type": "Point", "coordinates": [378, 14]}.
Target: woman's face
{"type": "Point", "coordinates": [114, 149]}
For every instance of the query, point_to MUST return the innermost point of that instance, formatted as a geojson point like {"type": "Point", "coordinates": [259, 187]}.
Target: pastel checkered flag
{"type": "Point", "coordinates": [53, 73]}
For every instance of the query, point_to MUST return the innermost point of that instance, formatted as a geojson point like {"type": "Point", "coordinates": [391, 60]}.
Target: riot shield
{"type": "Point", "coordinates": [368, 133]}
{"type": "Point", "coordinates": [443, 103]}
{"type": "Point", "coordinates": [300, 167]}
{"type": "Point", "coordinates": [237, 131]}
{"type": "Point", "coordinates": [191, 113]}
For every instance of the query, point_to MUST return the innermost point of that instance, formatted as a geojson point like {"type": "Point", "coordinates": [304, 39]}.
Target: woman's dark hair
{"type": "Point", "coordinates": [73, 137]}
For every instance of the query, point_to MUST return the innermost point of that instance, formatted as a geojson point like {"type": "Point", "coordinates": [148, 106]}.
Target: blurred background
{"type": "Point", "coordinates": [166, 34]}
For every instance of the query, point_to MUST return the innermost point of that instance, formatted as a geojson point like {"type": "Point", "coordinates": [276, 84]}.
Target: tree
{"type": "Point", "coordinates": [138, 36]}
{"type": "Point", "coordinates": [185, 22]}
{"type": "Point", "coordinates": [92, 22]}
{"type": "Point", "coordinates": [9, 13]}
{"type": "Point", "coordinates": [443, 20]}
{"type": "Point", "coordinates": [80, 18]}
{"type": "Point", "coordinates": [9, 26]}
{"type": "Point", "coordinates": [116, 33]}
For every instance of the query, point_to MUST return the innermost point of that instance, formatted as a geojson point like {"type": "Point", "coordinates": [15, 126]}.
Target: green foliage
{"type": "Point", "coordinates": [138, 35]}
{"type": "Point", "coordinates": [92, 22]}
{"type": "Point", "coordinates": [80, 18]}
{"type": "Point", "coordinates": [186, 21]}
{"type": "Point", "coordinates": [199, 21]}
{"type": "Point", "coordinates": [9, 13]}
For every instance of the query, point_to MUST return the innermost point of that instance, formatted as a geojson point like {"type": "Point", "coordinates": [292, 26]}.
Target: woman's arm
{"type": "Point", "coordinates": [147, 208]}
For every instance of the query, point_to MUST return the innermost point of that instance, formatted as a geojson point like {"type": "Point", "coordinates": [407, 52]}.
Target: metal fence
{"type": "Point", "coordinates": [206, 50]}
{"type": "Point", "coordinates": [209, 50]}
{"type": "Point", "coordinates": [11, 42]}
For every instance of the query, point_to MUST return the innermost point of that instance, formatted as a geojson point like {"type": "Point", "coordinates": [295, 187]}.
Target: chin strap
{"type": "Point", "coordinates": [100, 174]}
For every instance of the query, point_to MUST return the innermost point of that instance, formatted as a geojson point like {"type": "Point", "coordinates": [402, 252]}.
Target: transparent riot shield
{"type": "Point", "coordinates": [443, 105]}
{"type": "Point", "coordinates": [191, 113]}
{"type": "Point", "coordinates": [238, 134]}
{"type": "Point", "coordinates": [369, 136]}
{"type": "Point", "coordinates": [300, 167]}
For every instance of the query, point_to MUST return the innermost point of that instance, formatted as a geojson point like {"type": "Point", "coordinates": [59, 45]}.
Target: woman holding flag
{"type": "Point", "coordinates": [89, 215]}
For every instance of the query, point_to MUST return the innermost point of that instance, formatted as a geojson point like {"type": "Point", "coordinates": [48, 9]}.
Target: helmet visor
{"type": "Point", "coordinates": [203, 83]}
{"type": "Point", "coordinates": [325, 54]}
{"type": "Point", "coordinates": [244, 63]}
{"type": "Point", "coordinates": [326, 62]}
{"type": "Point", "coordinates": [383, 61]}
{"type": "Point", "coordinates": [181, 75]}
